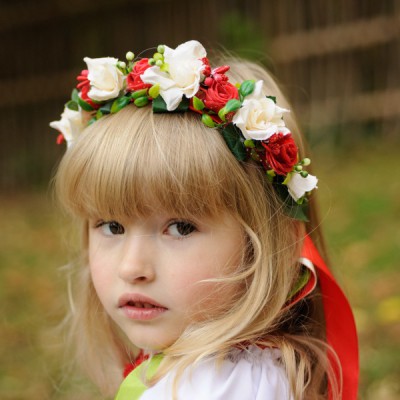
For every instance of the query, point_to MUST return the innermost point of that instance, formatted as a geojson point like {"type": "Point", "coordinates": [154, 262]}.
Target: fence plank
{"type": "Point", "coordinates": [320, 42]}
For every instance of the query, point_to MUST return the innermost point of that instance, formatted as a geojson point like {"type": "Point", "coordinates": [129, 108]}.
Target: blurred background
{"type": "Point", "coordinates": [339, 64]}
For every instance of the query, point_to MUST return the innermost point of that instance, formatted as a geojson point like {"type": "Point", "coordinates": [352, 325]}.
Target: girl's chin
{"type": "Point", "coordinates": [150, 346]}
{"type": "Point", "coordinates": [150, 337]}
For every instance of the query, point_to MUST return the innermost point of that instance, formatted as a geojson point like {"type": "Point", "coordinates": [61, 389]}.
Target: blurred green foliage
{"type": "Point", "coordinates": [242, 36]}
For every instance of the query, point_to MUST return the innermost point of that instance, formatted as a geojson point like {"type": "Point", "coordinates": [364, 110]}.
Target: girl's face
{"type": "Point", "coordinates": [148, 272]}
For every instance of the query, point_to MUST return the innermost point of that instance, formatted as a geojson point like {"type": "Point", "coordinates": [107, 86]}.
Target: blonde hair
{"type": "Point", "coordinates": [136, 162]}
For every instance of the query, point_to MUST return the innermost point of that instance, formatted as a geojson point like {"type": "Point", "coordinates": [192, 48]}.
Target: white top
{"type": "Point", "coordinates": [252, 374]}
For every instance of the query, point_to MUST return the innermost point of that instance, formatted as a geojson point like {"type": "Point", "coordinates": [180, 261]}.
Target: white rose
{"type": "Point", "coordinates": [71, 124]}
{"type": "Point", "coordinates": [299, 186]}
{"type": "Point", "coordinates": [106, 80]}
{"type": "Point", "coordinates": [259, 117]}
{"type": "Point", "coordinates": [183, 76]}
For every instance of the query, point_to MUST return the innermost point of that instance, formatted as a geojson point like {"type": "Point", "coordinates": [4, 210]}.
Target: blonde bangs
{"type": "Point", "coordinates": [136, 163]}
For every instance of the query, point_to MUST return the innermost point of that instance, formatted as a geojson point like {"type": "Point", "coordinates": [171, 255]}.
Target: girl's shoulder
{"type": "Point", "coordinates": [249, 374]}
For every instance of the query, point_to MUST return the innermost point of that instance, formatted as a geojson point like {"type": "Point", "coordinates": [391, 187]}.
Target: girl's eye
{"type": "Point", "coordinates": [180, 228]}
{"type": "Point", "coordinates": [111, 228]}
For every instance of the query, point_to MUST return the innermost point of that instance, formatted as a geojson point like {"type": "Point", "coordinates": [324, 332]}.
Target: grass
{"type": "Point", "coordinates": [359, 194]}
{"type": "Point", "coordinates": [362, 212]}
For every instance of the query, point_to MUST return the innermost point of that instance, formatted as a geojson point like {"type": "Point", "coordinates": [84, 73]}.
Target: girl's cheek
{"type": "Point", "coordinates": [208, 300]}
{"type": "Point", "coordinates": [101, 279]}
{"type": "Point", "coordinates": [98, 247]}
{"type": "Point", "coordinates": [98, 261]}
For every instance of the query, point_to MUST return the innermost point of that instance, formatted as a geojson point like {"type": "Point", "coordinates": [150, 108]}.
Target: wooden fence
{"type": "Point", "coordinates": [339, 61]}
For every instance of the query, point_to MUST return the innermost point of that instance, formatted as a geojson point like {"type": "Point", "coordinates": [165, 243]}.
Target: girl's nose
{"type": "Point", "coordinates": [137, 261]}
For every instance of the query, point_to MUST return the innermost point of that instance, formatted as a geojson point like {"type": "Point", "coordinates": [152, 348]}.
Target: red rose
{"type": "Point", "coordinates": [281, 153]}
{"type": "Point", "coordinates": [206, 67]}
{"type": "Point", "coordinates": [218, 94]}
{"type": "Point", "coordinates": [133, 80]}
{"type": "Point", "coordinates": [85, 97]}
{"type": "Point", "coordinates": [84, 87]}
{"type": "Point", "coordinates": [83, 79]}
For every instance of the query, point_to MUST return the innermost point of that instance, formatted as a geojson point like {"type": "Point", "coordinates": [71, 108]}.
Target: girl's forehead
{"type": "Point", "coordinates": [158, 210]}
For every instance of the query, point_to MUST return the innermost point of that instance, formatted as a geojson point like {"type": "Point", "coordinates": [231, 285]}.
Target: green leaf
{"type": "Point", "coordinates": [72, 105]}
{"type": "Point", "coordinates": [271, 173]}
{"type": "Point", "coordinates": [222, 113]}
{"type": "Point", "coordinates": [138, 93]}
{"type": "Point", "coordinates": [273, 98]}
{"type": "Point", "coordinates": [119, 104]}
{"type": "Point", "coordinates": [287, 178]}
{"type": "Point", "coordinates": [159, 105]}
{"type": "Point", "coordinates": [247, 87]}
{"type": "Point", "coordinates": [198, 103]}
{"type": "Point", "coordinates": [75, 95]}
{"type": "Point", "coordinates": [154, 91]}
{"type": "Point", "coordinates": [164, 67]}
{"type": "Point", "coordinates": [106, 108]}
{"type": "Point", "coordinates": [141, 101]}
{"type": "Point", "coordinates": [295, 210]}
{"type": "Point", "coordinates": [183, 105]}
{"type": "Point", "coordinates": [232, 105]}
{"type": "Point", "coordinates": [207, 121]}
{"type": "Point", "coordinates": [301, 282]}
{"type": "Point", "coordinates": [298, 211]}
{"type": "Point", "coordinates": [249, 143]}
{"type": "Point", "coordinates": [85, 105]}
{"type": "Point", "coordinates": [292, 209]}
{"type": "Point", "coordinates": [233, 139]}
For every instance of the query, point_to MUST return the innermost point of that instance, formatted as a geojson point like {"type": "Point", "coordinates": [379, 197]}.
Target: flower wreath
{"type": "Point", "coordinates": [181, 79]}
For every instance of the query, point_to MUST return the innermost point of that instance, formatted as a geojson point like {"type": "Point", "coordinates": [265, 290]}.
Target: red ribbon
{"type": "Point", "coordinates": [341, 331]}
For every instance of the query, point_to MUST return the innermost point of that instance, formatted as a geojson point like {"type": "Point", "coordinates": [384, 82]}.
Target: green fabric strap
{"type": "Point", "coordinates": [133, 387]}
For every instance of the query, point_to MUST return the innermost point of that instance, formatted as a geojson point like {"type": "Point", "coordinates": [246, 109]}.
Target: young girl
{"type": "Point", "coordinates": [199, 275]}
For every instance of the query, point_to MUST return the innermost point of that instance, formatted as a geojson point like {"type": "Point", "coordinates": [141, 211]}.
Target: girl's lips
{"type": "Point", "coordinates": [139, 307]}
